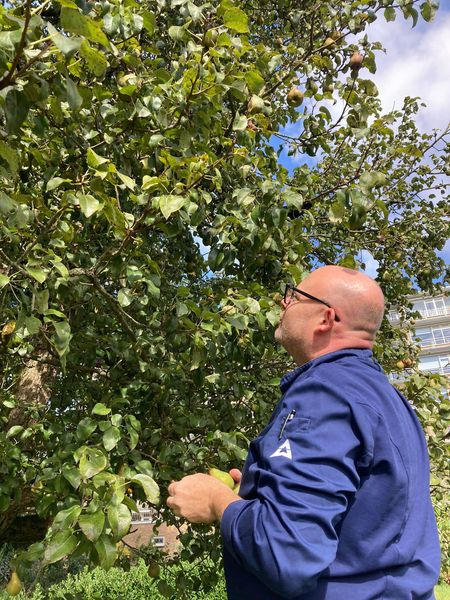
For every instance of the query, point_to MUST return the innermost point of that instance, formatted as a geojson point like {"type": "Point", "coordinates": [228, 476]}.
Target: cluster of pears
{"type": "Point", "coordinates": [225, 478]}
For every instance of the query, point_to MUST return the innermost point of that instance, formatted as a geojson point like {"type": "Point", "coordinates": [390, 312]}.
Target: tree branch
{"type": "Point", "coordinates": [10, 75]}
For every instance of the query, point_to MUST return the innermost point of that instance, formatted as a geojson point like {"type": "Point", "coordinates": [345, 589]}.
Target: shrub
{"type": "Point", "coordinates": [176, 582]}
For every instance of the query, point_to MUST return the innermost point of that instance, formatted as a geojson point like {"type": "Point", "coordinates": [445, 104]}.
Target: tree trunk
{"type": "Point", "coordinates": [19, 523]}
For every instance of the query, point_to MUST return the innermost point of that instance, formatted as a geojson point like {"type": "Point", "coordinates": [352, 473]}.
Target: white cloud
{"type": "Point", "coordinates": [416, 63]}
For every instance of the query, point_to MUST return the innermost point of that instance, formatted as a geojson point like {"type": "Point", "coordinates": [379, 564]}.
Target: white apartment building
{"type": "Point", "coordinates": [432, 331]}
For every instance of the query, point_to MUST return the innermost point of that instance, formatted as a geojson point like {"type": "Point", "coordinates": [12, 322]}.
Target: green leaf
{"type": "Point", "coordinates": [67, 45]}
{"type": "Point", "coordinates": [177, 33]}
{"type": "Point", "coordinates": [170, 204]}
{"type": "Point", "coordinates": [414, 15]}
{"type": "Point", "coordinates": [292, 198]}
{"type": "Point", "coordinates": [60, 546]}
{"type": "Point", "coordinates": [428, 9]}
{"type": "Point", "coordinates": [240, 122]}
{"type": "Point", "coordinates": [236, 20]}
{"type": "Point", "coordinates": [4, 280]}
{"type": "Point", "coordinates": [337, 212]}
{"type": "Point", "coordinates": [39, 274]}
{"type": "Point", "coordinates": [16, 110]}
{"type": "Point", "coordinates": [134, 422]}
{"type": "Point", "coordinates": [92, 461]}
{"type": "Point", "coordinates": [125, 297]}
{"type": "Point", "coordinates": [66, 518]}
{"type": "Point", "coordinates": [390, 14]}
{"type": "Point", "coordinates": [62, 336]}
{"type": "Point", "coordinates": [150, 183]}
{"type": "Point", "coordinates": [40, 300]}
{"type": "Point", "coordinates": [101, 409]}
{"type": "Point", "coordinates": [119, 518]}
{"type": "Point", "coordinates": [14, 430]}
{"type": "Point", "coordinates": [55, 182]}
{"type": "Point", "coordinates": [73, 96]}
{"type": "Point", "coordinates": [32, 325]}
{"type": "Point", "coordinates": [149, 21]}
{"type": "Point", "coordinates": [10, 156]}
{"type": "Point", "coordinates": [107, 551]}
{"type": "Point", "coordinates": [74, 21]}
{"type": "Point", "coordinates": [72, 475]}
{"type": "Point", "coordinates": [86, 428]}
{"type": "Point", "coordinates": [95, 60]}
{"type": "Point", "coordinates": [111, 438]}
{"type": "Point", "coordinates": [134, 437]}
{"type": "Point", "coordinates": [94, 160]}
{"type": "Point", "coordinates": [7, 205]}
{"type": "Point", "coordinates": [273, 316]}
{"type": "Point", "coordinates": [128, 181]}
{"type": "Point", "coordinates": [150, 487]}
{"type": "Point", "coordinates": [33, 553]}
{"type": "Point", "coordinates": [89, 205]}
{"type": "Point", "coordinates": [254, 81]}
{"type": "Point", "coordinates": [91, 524]}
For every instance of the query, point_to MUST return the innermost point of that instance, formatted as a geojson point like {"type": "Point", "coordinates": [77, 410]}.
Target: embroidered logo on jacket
{"type": "Point", "coordinates": [283, 450]}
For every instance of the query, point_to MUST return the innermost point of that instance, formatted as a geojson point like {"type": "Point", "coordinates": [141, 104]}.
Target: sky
{"type": "Point", "coordinates": [416, 63]}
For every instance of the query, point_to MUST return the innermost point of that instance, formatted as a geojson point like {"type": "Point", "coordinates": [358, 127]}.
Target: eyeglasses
{"type": "Point", "coordinates": [290, 291]}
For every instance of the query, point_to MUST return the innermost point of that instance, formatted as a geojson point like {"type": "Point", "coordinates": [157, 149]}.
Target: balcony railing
{"type": "Point", "coordinates": [427, 313]}
{"type": "Point", "coordinates": [445, 370]}
{"type": "Point", "coordinates": [441, 341]}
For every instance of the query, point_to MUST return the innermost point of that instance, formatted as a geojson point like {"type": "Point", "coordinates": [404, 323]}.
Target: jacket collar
{"type": "Point", "coordinates": [362, 353]}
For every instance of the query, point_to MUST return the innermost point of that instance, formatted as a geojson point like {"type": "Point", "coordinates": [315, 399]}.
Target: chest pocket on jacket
{"type": "Point", "coordinates": [293, 426]}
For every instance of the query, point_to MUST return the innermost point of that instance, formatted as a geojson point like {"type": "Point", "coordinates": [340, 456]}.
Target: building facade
{"type": "Point", "coordinates": [143, 531]}
{"type": "Point", "coordinates": [431, 331]}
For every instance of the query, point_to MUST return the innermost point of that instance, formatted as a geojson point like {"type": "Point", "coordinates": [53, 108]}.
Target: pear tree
{"type": "Point", "coordinates": [147, 222]}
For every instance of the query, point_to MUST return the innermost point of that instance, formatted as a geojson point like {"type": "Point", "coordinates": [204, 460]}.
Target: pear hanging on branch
{"type": "Point", "coordinates": [356, 61]}
{"type": "Point", "coordinates": [295, 97]}
{"type": "Point", "coordinates": [14, 585]}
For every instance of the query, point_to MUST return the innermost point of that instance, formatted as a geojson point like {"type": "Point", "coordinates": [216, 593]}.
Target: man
{"type": "Point", "coordinates": [335, 497]}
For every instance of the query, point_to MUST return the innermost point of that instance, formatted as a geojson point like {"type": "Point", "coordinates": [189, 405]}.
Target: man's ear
{"type": "Point", "coordinates": [327, 321]}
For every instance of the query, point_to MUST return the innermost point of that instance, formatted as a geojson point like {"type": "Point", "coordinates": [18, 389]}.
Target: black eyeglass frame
{"type": "Point", "coordinates": [294, 289]}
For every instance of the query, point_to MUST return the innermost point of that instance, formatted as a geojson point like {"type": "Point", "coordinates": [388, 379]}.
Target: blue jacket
{"type": "Point", "coordinates": [336, 493]}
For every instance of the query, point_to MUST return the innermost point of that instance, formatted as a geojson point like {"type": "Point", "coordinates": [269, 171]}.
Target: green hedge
{"type": "Point", "coordinates": [175, 582]}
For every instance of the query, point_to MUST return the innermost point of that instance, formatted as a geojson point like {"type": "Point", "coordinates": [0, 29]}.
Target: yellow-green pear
{"type": "Point", "coordinates": [237, 488]}
{"type": "Point", "coordinates": [295, 97]}
{"type": "Point", "coordinates": [153, 569]}
{"type": "Point", "coordinates": [255, 105]}
{"type": "Point", "coordinates": [222, 476]}
{"type": "Point", "coordinates": [14, 585]}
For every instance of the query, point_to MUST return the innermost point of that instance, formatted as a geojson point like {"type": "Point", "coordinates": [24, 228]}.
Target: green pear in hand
{"type": "Point", "coordinates": [222, 476]}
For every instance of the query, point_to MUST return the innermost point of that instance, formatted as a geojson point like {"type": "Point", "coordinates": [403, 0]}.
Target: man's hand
{"type": "Point", "coordinates": [200, 498]}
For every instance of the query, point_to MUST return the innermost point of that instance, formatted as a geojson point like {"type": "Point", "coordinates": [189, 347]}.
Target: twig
{"type": "Point", "coordinates": [9, 76]}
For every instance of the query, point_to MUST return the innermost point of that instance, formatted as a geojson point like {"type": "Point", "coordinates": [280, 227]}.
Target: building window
{"type": "Point", "coordinates": [433, 336]}
{"type": "Point", "coordinates": [159, 541]}
{"type": "Point", "coordinates": [143, 516]}
{"type": "Point", "coordinates": [393, 315]}
{"type": "Point", "coordinates": [432, 307]}
{"type": "Point", "coordinates": [435, 364]}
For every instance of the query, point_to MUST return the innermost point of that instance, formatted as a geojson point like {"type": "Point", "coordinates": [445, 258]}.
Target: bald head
{"type": "Point", "coordinates": [357, 299]}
